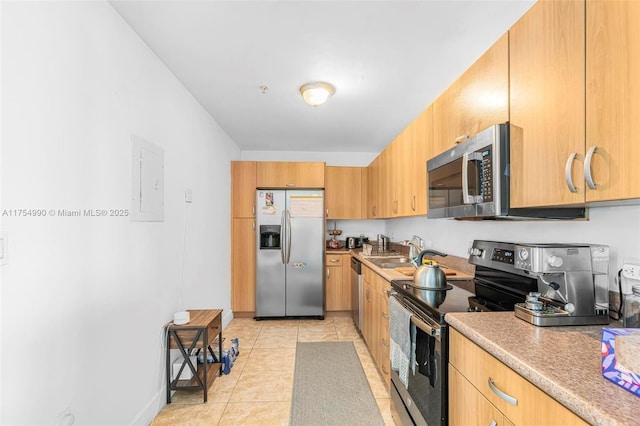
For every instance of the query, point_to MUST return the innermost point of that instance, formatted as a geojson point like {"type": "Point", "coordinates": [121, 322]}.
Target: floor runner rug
{"type": "Point", "coordinates": [330, 387]}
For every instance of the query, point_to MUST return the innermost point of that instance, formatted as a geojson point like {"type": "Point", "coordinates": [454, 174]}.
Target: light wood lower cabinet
{"type": "Point", "coordinates": [243, 271]}
{"type": "Point", "coordinates": [467, 406]}
{"type": "Point", "coordinates": [375, 327]}
{"type": "Point", "coordinates": [508, 393]}
{"type": "Point", "coordinates": [337, 282]}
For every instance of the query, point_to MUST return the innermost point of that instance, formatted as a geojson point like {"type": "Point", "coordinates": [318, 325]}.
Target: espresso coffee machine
{"type": "Point", "coordinates": [573, 285]}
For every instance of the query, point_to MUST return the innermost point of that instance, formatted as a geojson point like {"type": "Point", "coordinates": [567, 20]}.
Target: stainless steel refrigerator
{"type": "Point", "coordinates": [290, 253]}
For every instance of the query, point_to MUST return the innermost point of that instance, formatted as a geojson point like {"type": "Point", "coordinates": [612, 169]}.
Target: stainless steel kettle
{"type": "Point", "coordinates": [429, 275]}
{"type": "Point", "coordinates": [429, 281]}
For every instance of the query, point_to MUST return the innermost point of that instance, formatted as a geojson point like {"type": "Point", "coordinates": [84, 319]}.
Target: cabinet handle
{"type": "Point", "coordinates": [511, 400]}
{"type": "Point", "coordinates": [385, 292]}
{"type": "Point", "coordinates": [493, 423]}
{"type": "Point", "coordinates": [413, 203]}
{"type": "Point", "coordinates": [368, 295]}
{"type": "Point", "coordinates": [334, 260]}
{"type": "Point", "coordinates": [384, 342]}
{"type": "Point", "coordinates": [373, 210]}
{"type": "Point", "coordinates": [384, 315]}
{"type": "Point", "coordinates": [291, 185]}
{"type": "Point", "coordinates": [253, 210]}
{"type": "Point", "coordinates": [461, 139]}
{"type": "Point", "coordinates": [253, 224]}
{"type": "Point", "coordinates": [395, 206]}
{"type": "Point", "coordinates": [384, 370]}
{"type": "Point", "coordinates": [587, 167]}
{"type": "Point", "coordinates": [567, 172]}
{"type": "Point", "coordinates": [327, 212]}
{"type": "Point", "coordinates": [328, 273]}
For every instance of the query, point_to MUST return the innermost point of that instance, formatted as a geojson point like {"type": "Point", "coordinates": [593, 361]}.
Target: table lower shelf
{"type": "Point", "coordinates": [213, 370]}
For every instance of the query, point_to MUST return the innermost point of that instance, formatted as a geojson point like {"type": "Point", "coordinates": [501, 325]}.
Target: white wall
{"type": "Point", "coordinates": [84, 300]}
{"type": "Point", "coordinates": [352, 159]}
{"type": "Point", "coordinates": [617, 227]}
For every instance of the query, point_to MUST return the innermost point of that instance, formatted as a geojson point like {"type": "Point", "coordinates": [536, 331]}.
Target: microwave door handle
{"type": "Point", "coordinates": [468, 157]}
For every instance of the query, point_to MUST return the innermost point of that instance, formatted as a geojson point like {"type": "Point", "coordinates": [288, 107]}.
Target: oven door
{"type": "Point", "coordinates": [424, 398]}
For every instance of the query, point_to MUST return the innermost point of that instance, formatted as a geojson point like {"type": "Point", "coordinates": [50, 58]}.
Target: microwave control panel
{"type": "Point", "coordinates": [486, 174]}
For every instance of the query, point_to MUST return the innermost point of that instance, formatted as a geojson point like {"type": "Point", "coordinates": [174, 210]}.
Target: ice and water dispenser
{"type": "Point", "coordinates": [270, 237]}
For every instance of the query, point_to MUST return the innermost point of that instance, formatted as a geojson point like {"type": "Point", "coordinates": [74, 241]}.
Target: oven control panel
{"type": "Point", "coordinates": [502, 255]}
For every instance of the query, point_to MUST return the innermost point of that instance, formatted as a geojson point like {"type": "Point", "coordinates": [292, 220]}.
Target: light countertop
{"type": "Point", "coordinates": [564, 362]}
{"type": "Point", "coordinates": [392, 274]}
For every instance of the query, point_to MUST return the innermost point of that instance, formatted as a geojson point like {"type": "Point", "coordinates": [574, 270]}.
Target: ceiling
{"type": "Point", "coordinates": [387, 59]}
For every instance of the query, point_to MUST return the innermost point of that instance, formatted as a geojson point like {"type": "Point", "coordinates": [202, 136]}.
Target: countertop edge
{"type": "Point", "coordinates": [577, 404]}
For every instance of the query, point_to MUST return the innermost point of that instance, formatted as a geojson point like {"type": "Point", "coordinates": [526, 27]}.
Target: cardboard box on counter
{"type": "Point", "coordinates": [621, 357]}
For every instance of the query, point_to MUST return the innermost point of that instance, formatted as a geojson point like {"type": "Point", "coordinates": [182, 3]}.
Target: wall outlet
{"type": "Point", "coordinates": [631, 272]}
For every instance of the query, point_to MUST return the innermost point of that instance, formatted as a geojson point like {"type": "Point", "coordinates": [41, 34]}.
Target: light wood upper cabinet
{"type": "Point", "coordinates": [547, 101]}
{"type": "Point", "coordinates": [375, 189]}
{"type": "Point", "coordinates": [477, 100]}
{"type": "Point", "coordinates": [343, 192]}
{"type": "Point", "coordinates": [613, 98]}
{"type": "Point", "coordinates": [243, 188]}
{"type": "Point", "coordinates": [422, 149]}
{"type": "Point", "coordinates": [279, 174]}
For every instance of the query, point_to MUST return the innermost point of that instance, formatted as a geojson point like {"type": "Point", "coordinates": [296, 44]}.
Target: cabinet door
{"type": "Point", "coordinates": [279, 174]}
{"type": "Point", "coordinates": [480, 368]}
{"type": "Point", "coordinates": [343, 196]}
{"type": "Point", "coordinates": [467, 406]}
{"type": "Point", "coordinates": [384, 361]}
{"type": "Point", "coordinates": [243, 188]}
{"type": "Point", "coordinates": [333, 288]}
{"type": "Point", "coordinates": [547, 101]}
{"type": "Point", "coordinates": [306, 174]}
{"type": "Point", "coordinates": [421, 150]}
{"type": "Point", "coordinates": [243, 248]}
{"type": "Point", "coordinates": [400, 172]}
{"type": "Point", "coordinates": [613, 98]}
{"type": "Point", "coordinates": [374, 189]}
{"type": "Point", "coordinates": [477, 100]}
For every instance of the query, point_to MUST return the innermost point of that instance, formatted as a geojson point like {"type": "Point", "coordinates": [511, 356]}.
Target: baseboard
{"type": "Point", "coordinates": [243, 314]}
{"type": "Point", "coordinates": [151, 410]}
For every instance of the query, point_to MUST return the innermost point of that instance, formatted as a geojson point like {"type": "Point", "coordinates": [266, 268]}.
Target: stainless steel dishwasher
{"type": "Point", "coordinates": [356, 291]}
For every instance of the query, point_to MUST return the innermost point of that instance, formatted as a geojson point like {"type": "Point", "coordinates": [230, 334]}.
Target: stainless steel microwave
{"type": "Point", "coordinates": [472, 180]}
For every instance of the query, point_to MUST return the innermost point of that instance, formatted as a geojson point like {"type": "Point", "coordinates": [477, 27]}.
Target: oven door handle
{"type": "Point", "coordinates": [424, 323]}
{"type": "Point", "coordinates": [427, 328]}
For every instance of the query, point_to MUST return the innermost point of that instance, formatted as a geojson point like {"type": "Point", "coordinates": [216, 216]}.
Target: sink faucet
{"type": "Point", "coordinates": [415, 247]}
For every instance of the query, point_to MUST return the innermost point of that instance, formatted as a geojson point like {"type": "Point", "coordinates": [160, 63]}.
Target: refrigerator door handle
{"type": "Point", "coordinates": [288, 231]}
{"type": "Point", "coordinates": [282, 229]}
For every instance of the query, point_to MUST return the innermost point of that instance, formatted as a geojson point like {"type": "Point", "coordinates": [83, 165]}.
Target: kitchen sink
{"type": "Point", "coordinates": [390, 262]}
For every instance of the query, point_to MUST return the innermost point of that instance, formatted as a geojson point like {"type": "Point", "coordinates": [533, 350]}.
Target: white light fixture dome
{"type": "Point", "coordinates": [316, 94]}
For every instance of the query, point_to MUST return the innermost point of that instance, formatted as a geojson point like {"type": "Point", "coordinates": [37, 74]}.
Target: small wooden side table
{"type": "Point", "coordinates": [200, 333]}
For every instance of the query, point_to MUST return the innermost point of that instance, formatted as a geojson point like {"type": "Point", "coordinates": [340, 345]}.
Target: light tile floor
{"type": "Point", "coordinates": [258, 389]}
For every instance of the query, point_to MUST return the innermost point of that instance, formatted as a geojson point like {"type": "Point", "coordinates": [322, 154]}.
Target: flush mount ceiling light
{"type": "Point", "coordinates": [316, 94]}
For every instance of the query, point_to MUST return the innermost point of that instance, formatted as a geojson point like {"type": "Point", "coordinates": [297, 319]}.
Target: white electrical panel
{"type": "Point", "coordinates": [147, 186]}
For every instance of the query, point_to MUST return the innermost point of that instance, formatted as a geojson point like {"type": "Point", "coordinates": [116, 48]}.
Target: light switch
{"type": "Point", "coordinates": [188, 195]}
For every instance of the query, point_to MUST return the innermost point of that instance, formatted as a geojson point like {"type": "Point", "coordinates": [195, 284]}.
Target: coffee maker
{"type": "Point", "coordinates": [573, 285]}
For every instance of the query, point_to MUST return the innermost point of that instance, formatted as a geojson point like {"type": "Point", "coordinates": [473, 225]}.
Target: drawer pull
{"type": "Point", "coordinates": [384, 369]}
{"type": "Point", "coordinates": [511, 400]}
{"type": "Point", "coordinates": [384, 342]}
{"type": "Point", "coordinates": [334, 260]}
{"type": "Point", "coordinates": [493, 423]}
{"type": "Point", "coordinates": [385, 315]}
